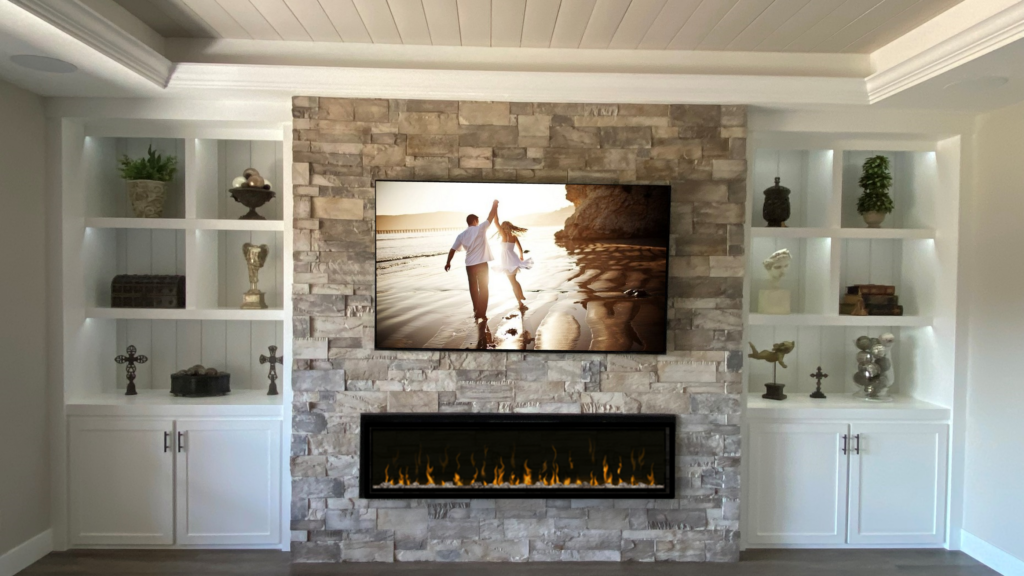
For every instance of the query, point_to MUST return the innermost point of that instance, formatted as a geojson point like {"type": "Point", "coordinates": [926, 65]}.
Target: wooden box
{"type": "Point", "coordinates": [147, 291]}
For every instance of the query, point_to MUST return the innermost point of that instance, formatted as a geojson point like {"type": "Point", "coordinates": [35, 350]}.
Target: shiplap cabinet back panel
{"type": "Point", "coordinates": [229, 346]}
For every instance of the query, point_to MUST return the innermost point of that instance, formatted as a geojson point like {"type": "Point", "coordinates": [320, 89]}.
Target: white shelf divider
{"type": "Point", "coordinates": [836, 320]}
{"type": "Point", "coordinates": [845, 233]}
{"type": "Point", "coordinates": [185, 314]}
{"type": "Point", "coordinates": [186, 224]}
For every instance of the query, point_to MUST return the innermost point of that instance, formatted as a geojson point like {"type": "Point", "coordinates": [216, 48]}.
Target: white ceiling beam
{"type": "Point", "coordinates": [191, 80]}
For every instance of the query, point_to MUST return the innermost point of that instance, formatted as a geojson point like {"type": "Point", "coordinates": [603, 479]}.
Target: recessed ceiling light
{"type": "Point", "coordinates": [978, 84]}
{"type": "Point", "coordinates": [43, 64]}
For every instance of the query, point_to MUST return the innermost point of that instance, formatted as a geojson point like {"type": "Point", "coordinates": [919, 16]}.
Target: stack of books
{"type": "Point", "coordinates": [870, 300]}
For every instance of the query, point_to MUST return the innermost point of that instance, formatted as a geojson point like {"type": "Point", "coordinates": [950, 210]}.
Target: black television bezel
{"type": "Point", "coordinates": [664, 311]}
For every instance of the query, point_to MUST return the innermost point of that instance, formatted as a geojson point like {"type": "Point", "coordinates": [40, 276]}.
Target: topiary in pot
{"type": "Point", "coordinates": [147, 182]}
{"type": "Point", "coordinates": [874, 203]}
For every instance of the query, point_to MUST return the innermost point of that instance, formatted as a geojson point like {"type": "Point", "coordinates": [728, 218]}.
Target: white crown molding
{"type": "Point", "coordinates": [515, 86]}
{"type": "Point", "coordinates": [972, 42]}
{"type": "Point", "coordinates": [86, 25]}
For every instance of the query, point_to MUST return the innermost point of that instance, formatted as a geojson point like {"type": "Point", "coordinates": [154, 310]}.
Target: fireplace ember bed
{"type": "Point", "coordinates": [517, 456]}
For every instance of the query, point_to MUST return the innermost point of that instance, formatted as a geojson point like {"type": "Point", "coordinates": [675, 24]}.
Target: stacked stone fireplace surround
{"type": "Point", "coordinates": [341, 146]}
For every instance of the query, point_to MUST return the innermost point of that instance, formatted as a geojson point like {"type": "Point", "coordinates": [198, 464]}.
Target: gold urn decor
{"type": "Point", "coordinates": [255, 258]}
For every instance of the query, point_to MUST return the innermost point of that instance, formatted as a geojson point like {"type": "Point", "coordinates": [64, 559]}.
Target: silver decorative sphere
{"type": "Point", "coordinates": [864, 357]}
{"type": "Point", "coordinates": [884, 363]}
{"type": "Point", "coordinates": [878, 351]}
{"type": "Point", "coordinates": [863, 343]}
{"type": "Point", "coordinates": [870, 369]}
{"type": "Point", "coordinates": [887, 339]}
{"type": "Point", "coordinates": [875, 341]}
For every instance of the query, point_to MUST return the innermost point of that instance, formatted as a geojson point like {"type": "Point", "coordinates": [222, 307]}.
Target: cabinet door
{"type": "Point", "coordinates": [898, 483]}
{"type": "Point", "coordinates": [121, 481]}
{"type": "Point", "coordinates": [229, 482]}
{"type": "Point", "coordinates": [798, 482]}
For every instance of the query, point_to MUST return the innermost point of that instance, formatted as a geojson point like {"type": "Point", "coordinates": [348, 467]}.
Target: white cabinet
{"type": "Point", "coordinates": [798, 480]}
{"type": "Point", "coordinates": [194, 482]}
{"type": "Point", "coordinates": [897, 483]}
{"type": "Point", "coordinates": [122, 482]}
{"type": "Point", "coordinates": [228, 482]}
{"type": "Point", "coordinates": [842, 483]}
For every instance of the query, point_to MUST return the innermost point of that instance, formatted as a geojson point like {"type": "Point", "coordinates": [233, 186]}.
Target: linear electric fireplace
{"type": "Point", "coordinates": [517, 456]}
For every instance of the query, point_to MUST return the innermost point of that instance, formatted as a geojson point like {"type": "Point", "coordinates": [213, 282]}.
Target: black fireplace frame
{"type": "Point", "coordinates": [371, 421]}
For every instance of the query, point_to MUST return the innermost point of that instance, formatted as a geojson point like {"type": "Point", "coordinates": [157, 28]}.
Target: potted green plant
{"type": "Point", "coordinates": [147, 182]}
{"type": "Point", "coordinates": [874, 203]}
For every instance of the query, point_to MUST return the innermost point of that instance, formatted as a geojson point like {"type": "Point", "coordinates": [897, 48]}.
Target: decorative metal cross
{"type": "Point", "coordinates": [131, 359]}
{"type": "Point", "coordinates": [273, 359]}
{"type": "Point", "coordinates": [818, 375]}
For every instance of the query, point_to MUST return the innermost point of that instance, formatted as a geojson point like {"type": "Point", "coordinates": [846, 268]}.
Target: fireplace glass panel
{"type": "Point", "coordinates": [527, 456]}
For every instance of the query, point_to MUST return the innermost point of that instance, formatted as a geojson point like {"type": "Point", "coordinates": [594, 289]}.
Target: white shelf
{"type": "Point", "coordinates": [851, 233]}
{"type": "Point", "coordinates": [843, 407]}
{"type": "Point", "coordinates": [835, 320]}
{"type": "Point", "coordinates": [185, 314]}
{"type": "Point", "coordinates": [162, 402]}
{"type": "Point", "coordinates": [186, 224]}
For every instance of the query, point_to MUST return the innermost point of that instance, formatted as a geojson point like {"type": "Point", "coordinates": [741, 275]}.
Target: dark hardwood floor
{"type": "Point", "coordinates": [754, 562]}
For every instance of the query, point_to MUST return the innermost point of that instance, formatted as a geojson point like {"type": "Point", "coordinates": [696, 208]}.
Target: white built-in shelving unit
{"type": "Point", "coordinates": [170, 453]}
{"type": "Point", "coordinates": [840, 471]}
{"type": "Point", "coordinates": [832, 248]}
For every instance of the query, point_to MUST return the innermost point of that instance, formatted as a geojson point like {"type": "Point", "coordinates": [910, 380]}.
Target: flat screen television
{"type": "Point", "coordinates": [517, 266]}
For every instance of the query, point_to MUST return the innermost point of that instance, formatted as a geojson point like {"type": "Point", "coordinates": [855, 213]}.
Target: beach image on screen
{"type": "Point", "coordinates": [503, 266]}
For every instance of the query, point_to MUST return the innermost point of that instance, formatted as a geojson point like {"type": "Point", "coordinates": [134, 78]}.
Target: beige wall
{"type": "Point", "coordinates": [994, 468]}
{"type": "Point", "coordinates": [24, 444]}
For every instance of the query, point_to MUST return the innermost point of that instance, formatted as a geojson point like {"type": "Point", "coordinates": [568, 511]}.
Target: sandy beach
{"type": "Point", "coordinates": [575, 296]}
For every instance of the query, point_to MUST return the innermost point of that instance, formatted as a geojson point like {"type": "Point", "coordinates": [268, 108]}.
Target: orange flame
{"type": "Point", "coordinates": [607, 476]}
{"type": "Point", "coordinates": [499, 472]}
{"type": "Point", "coordinates": [430, 469]}
{"type": "Point", "coordinates": [387, 477]}
{"type": "Point", "coordinates": [457, 480]}
{"type": "Point", "coordinates": [528, 476]}
{"type": "Point", "coordinates": [650, 477]}
{"type": "Point", "coordinates": [444, 463]}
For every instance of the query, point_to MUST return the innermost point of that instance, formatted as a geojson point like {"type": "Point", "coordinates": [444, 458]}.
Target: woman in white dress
{"type": "Point", "coordinates": [510, 263]}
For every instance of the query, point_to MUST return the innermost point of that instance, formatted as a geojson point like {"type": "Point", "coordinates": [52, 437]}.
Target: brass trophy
{"type": "Point", "coordinates": [255, 258]}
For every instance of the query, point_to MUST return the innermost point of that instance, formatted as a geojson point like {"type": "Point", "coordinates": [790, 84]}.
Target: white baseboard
{"type": "Point", "coordinates": [26, 553]}
{"type": "Point", "coordinates": [996, 559]}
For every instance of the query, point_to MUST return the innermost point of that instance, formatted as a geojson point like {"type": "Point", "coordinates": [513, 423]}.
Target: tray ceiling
{"type": "Point", "coordinates": [819, 26]}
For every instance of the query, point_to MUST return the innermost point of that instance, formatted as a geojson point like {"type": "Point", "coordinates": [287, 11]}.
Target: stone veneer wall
{"type": "Point", "coordinates": [340, 147]}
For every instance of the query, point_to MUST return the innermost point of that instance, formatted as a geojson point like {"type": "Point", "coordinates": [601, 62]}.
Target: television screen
{"type": "Point", "coordinates": [503, 266]}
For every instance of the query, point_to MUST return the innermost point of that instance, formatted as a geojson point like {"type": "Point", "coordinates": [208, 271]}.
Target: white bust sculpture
{"type": "Point", "coordinates": [775, 300]}
{"type": "Point", "coordinates": [777, 264]}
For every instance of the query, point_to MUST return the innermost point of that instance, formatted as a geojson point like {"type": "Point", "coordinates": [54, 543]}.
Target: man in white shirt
{"type": "Point", "coordinates": [478, 253]}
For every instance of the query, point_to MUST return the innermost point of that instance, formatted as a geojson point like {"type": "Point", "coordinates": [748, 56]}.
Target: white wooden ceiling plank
{"type": "Point", "coordinates": [802, 21]}
{"type": "Point", "coordinates": [281, 17]}
{"type": "Point", "coordinates": [379, 22]}
{"type": "Point", "coordinates": [780, 12]}
{"type": "Point", "coordinates": [668, 23]}
{"type": "Point", "coordinates": [573, 17]}
{"type": "Point", "coordinates": [507, 17]}
{"type": "Point", "coordinates": [152, 16]}
{"type": "Point", "coordinates": [346, 20]}
{"type": "Point", "coordinates": [885, 14]}
{"type": "Point", "coordinates": [635, 23]}
{"type": "Point", "coordinates": [218, 18]}
{"type": "Point", "coordinates": [916, 16]}
{"type": "Point", "coordinates": [250, 18]}
{"type": "Point", "coordinates": [539, 23]}
{"type": "Point", "coordinates": [829, 25]}
{"type": "Point", "coordinates": [700, 24]}
{"type": "Point", "coordinates": [475, 22]}
{"type": "Point", "coordinates": [604, 21]}
{"type": "Point", "coordinates": [314, 20]}
{"type": "Point", "coordinates": [186, 18]}
{"type": "Point", "coordinates": [443, 22]}
{"type": "Point", "coordinates": [411, 21]}
{"type": "Point", "coordinates": [732, 24]}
